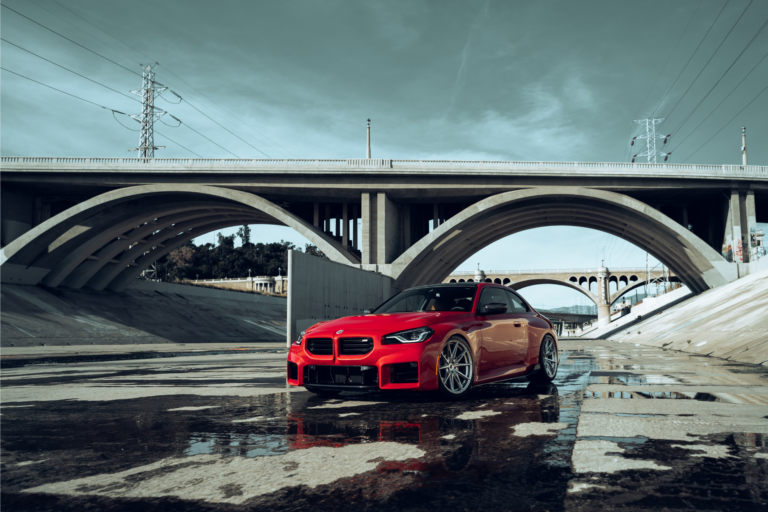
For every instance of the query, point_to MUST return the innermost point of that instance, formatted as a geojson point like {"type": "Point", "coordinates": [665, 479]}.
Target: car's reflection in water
{"type": "Point", "coordinates": [482, 445]}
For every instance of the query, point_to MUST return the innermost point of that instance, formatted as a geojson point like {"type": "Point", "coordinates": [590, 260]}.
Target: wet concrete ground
{"type": "Point", "coordinates": [624, 427]}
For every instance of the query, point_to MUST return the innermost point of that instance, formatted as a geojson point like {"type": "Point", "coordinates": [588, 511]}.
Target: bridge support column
{"type": "Point", "coordinates": [732, 242]}
{"type": "Point", "coordinates": [750, 221]}
{"type": "Point", "coordinates": [380, 229]}
{"type": "Point", "coordinates": [368, 216]}
{"type": "Point", "coordinates": [345, 226]}
{"type": "Point", "coordinates": [603, 297]}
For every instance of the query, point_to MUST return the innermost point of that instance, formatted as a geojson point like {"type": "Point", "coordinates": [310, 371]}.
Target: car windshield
{"type": "Point", "coordinates": [438, 298]}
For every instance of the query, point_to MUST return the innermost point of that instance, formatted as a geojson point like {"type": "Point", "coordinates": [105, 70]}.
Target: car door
{"type": "Point", "coordinates": [496, 351]}
{"type": "Point", "coordinates": [519, 317]}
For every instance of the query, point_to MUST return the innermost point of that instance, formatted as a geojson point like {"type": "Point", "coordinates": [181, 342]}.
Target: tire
{"type": "Point", "coordinates": [456, 370]}
{"type": "Point", "coordinates": [549, 361]}
{"type": "Point", "coordinates": [321, 391]}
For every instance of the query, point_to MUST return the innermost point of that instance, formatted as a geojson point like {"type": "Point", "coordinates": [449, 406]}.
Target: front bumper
{"type": "Point", "coordinates": [385, 367]}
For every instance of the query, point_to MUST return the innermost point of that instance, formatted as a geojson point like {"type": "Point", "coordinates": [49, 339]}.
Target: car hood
{"type": "Point", "coordinates": [384, 323]}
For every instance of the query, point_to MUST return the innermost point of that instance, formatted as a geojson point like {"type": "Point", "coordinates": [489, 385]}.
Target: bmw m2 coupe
{"type": "Point", "coordinates": [446, 336]}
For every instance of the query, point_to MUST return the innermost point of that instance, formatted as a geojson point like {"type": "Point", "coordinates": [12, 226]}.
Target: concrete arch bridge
{"type": "Point", "coordinates": [619, 281]}
{"type": "Point", "coordinates": [99, 222]}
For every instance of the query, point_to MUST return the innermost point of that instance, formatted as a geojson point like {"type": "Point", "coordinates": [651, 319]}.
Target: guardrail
{"type": "Point", "coordinates": [547, 271]}
{"type": "Point", "coordinates": [357, 163]}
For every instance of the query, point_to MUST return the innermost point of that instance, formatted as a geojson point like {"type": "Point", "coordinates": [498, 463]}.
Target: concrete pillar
{"type": "Point", "coordinates": [355, 216]}
{"type": "Point", "coordinates": [603, 297]}
{"type": "Point", "coordinates": [732, 243]}
{"type": "Point", "coordinates": [387, 219]}
{"type": "Point", "coordinates": [406, 227]}
{"type": "Point", "coordinates": [435, 218]}
{"type": "Point", "coordinates": [750, 221]}
{"type": "Point", "coordinates": [336, 230]}
{"type": "Point", "coordinates": [345, 226]}
{"type": "Point", "coordinates": [685, 217]}
{"type": "Point", "coordinates": [316, 215]}
{"type": "Point", "coordinates": [327, 219]}
{"type": "Point", "coordinates": [368, 217]}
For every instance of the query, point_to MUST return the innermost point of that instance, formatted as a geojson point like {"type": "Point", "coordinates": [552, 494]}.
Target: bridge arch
{"type": "Point", "coordinates": [519, 285]}
{"type": "Point", "coordinates": [637, 283]}
{"type": "Point", "coordinates": [433, 257]}
{"type": "Point", "coordinates": [79, 246]}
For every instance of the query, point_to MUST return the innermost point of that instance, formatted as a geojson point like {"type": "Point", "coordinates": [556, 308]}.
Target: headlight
{"type": "Point", "coordinates": [301, 337]}
{"type": "Point", "coordinates": [409, 336]}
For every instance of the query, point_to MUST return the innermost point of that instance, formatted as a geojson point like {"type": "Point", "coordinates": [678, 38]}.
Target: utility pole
{"type": "Point", "coordinates": [744, 146]}
{"type": "Point", "coordinates": [149, 113]}
{"type": "Point", "coordinates": [368, 147]}
{"type": "Point", "coordinates": [650, 140]}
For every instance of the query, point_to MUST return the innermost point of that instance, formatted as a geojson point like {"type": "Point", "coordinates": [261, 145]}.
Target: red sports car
{"type": "Point", "coordinates": [445, 336]}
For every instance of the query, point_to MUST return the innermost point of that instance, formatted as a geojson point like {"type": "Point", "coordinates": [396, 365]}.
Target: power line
{"type": "Point", "coordinates": [230, 113]}
{"type": "Point", "coordinates": [102, 30]}
{"type": "Point", "coordinates": [711, 57]}
{"type": "Point", "coordinates": [729, 122]}
{"type": "Point", "coordinates": [105, 58]}
{"type": "Point", "coordinates": [721, 102]}
{"type": "Point", "coordinates": [206, 138]}
{"type": "Point", "coordinates": [96, 104]}
{"type": "Point", "coordinates": [209, 117]}
{"type": "Point", "coordinates": [65, 68]}
{"type": "Point", "coordinates": [668, 59]}
{"type": "Point", "coordinates": [689, 59]}
{"type": "Point", "coordinates": [63, 92]}
{"type": "Point", "coordinates": [175, 75]}
{"type": "Point", "coordinates": [70, 40]}
{"type": "Point", "coordinates": [83, 31]}
{"type": "Point", "coordinates": [720, 79]}
{"type": "Point", "coordinates": [170, 139]}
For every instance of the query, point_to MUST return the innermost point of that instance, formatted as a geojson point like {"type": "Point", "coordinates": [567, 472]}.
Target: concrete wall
{"type": "Point", "coordinates": [146, 313]}
{"type": "Point", "coordinates": [17, 214]}
{"type": "Point", "coordinates": [320, 290]}
{"type": "Point", "coordinates": [730, 322]}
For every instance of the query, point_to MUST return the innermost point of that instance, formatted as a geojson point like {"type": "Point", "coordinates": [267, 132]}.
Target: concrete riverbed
{"type": "Point", "coordinates": [624, 426]}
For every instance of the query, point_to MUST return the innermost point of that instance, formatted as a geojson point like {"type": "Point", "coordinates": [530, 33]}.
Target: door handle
{"type": "Point", "coordinates": [518, 324]}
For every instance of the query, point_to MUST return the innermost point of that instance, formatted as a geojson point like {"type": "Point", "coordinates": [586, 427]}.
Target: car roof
{"type": "Point", "coordinates": [446, 285]}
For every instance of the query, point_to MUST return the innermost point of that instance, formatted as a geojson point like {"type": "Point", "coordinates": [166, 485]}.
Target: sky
{"type": "Point", "coordinates": [465, 80]}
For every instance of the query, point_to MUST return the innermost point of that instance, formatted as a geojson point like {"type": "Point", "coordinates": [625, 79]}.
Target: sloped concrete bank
{"type": "Point", "coordinates": [730, 322]}
{"type": "Point", "coordinates": [146, 314]}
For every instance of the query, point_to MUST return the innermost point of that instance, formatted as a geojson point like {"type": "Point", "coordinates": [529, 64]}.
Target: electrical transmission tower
{"type": "Point", "coordinates": [149, 113]}
{"type": "Point", "coordinates": [650, 138]}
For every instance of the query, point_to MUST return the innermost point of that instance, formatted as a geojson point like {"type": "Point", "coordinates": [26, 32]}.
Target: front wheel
{"type": "Point", "coordinates": [455, 368]}
{"type": "Point", "coordinates": [548, 361]}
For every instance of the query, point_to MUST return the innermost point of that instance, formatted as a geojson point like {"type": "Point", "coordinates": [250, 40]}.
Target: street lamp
{"type": "Point", "coordinates": [278, 271]}
{"type": "Point", "coordinates": [197, 277]}
{"type": "Point", "coordinates": [249, 273]}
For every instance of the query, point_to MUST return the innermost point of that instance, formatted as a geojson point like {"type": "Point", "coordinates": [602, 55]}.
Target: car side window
{"type": "Point", "coordinates": [518, 306]}
{"type": "Point", "coordinates": [493, 295]}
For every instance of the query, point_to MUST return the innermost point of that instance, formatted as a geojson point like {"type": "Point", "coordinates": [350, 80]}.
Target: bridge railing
{"type": "Point", "coordinates": [380, 163]}
{"type": "Point", "coordinates": [487, 273]}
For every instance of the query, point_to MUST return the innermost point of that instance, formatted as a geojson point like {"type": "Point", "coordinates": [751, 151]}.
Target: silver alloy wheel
{"type": "Point", "coordinates": [550, 358]}
{"type": "Point", "coordinates": [455, 367]}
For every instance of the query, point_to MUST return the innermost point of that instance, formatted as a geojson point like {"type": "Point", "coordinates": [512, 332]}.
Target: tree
{"type": "Point", "coordinates": [314, 251]}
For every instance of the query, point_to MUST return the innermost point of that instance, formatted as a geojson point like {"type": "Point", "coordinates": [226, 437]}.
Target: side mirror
{"type": "Point", "coordinates": [366, 311]}
{"type": "Point", "coordinates": [494, 308]}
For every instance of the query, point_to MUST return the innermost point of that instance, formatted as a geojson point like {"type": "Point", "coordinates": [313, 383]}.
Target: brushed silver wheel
{"type": "Point", "coordinates": [550, 360]}
{"type": "Point", "coordinates": [455, 367]}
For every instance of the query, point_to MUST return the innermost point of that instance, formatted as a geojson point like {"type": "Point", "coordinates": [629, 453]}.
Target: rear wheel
{"type": "Point", "coordinates": [455, 368]}
{"type": "Point", "coordinates": [548, 361]}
